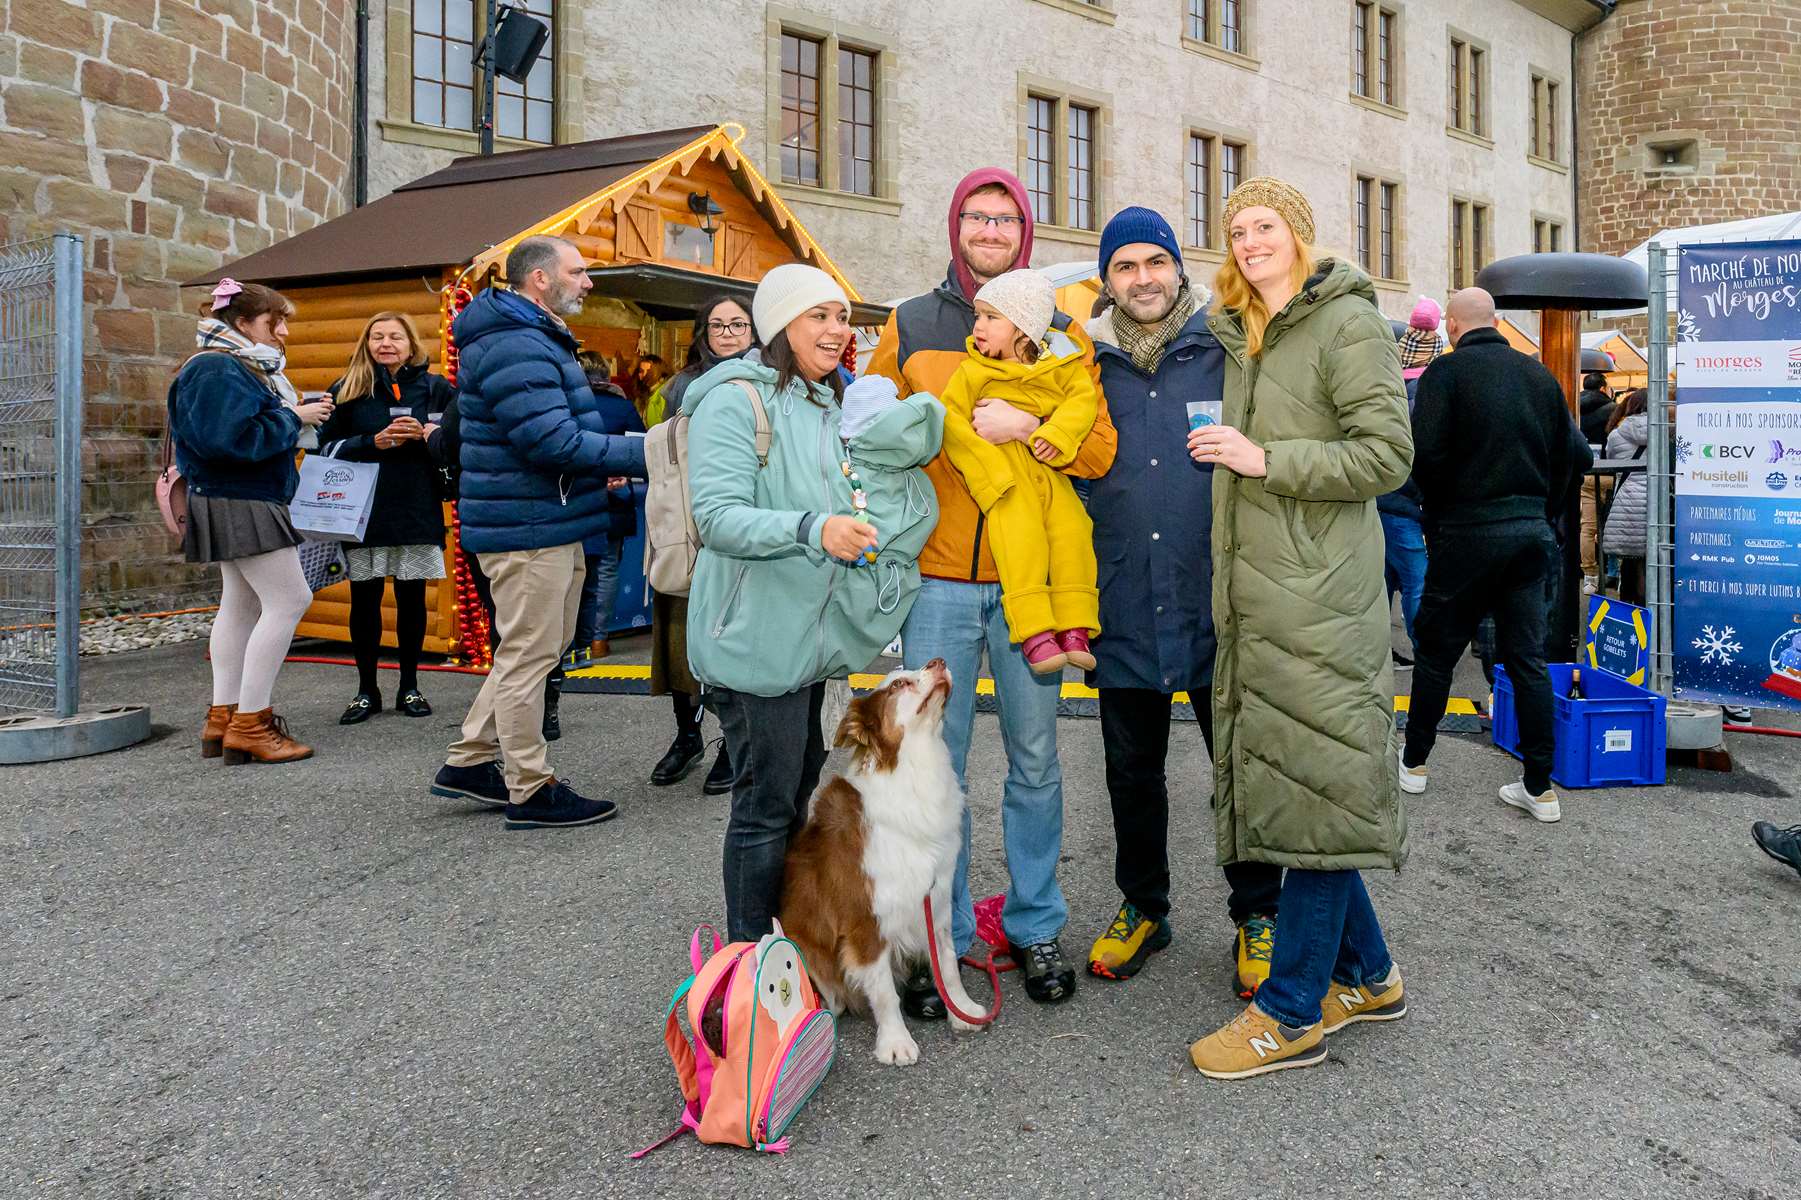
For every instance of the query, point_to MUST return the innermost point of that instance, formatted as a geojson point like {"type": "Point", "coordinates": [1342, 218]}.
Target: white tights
{"type": "Point", "coordinates": [264, 598]}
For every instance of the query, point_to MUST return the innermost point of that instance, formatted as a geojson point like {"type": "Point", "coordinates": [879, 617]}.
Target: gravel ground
{"type": "Point", "coordinates": [315, 981]}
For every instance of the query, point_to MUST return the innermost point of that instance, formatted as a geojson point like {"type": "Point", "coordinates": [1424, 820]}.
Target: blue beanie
{"type": "Point", "coordinates": [1136, 224]}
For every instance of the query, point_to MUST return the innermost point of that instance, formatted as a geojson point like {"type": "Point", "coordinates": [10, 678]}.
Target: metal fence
{"type": "Point", "coordinates": [40, 474]}
{"type": "Point", "coordinates": [1660, 490]}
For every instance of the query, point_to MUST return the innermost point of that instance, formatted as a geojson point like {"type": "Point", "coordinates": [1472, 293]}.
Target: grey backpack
{"type": "Point", "coordinates": [671, 539]}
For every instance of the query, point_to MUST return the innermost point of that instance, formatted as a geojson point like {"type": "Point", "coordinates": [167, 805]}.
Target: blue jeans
{"type": "Point", "coordinates": [1406, 564]}
{"type": "Point", "coordinates": [1328, 933]}
{"type": "Point", "coordinates": [955, 621]}
{"type": "Point", "coordinates": [600, 592]}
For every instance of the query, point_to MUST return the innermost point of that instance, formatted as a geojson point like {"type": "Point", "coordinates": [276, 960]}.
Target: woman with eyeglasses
{"type": "Point", "coordinates": [722, 331]}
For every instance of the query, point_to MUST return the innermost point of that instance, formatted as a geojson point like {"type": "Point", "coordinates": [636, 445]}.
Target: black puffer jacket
{"type": "Point", "coordinates": [408, 508]}
{"type": "Point", "coordinates": [1596, 409]}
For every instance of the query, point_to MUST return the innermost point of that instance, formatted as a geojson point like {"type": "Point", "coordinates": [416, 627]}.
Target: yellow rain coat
{"type": "Point", "coordinates": [1042, 539]}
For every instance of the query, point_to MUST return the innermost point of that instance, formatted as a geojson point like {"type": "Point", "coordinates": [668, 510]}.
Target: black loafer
{"type": "Point", "coordinates": [920, 1000]}
{"type": "Point", "coordinates": [365, 705]}
{"type": "Point", "coordinates": [721, 777]}
{"type": "Point", "coordinates": [1049, 980]}
{"type": "Point", "coordinates": [681, 757]}
{"type": "Point", "coordinates": [413, 704]}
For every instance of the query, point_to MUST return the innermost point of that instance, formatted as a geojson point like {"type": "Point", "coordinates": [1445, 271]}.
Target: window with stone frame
{"type": "Point", "coordinates": [1062, 152]}
{"type": "Point", "coordinates": [1375, 52]}
{"type": "Point", "coordinates": [1542, 140]}
{"type": "Point", "coordinates": [1214, 165]}
{"type": "Point", "coordinates": [1470, 232]}
{"type": "Point", "coordinates": [830, 107]}
{"type": "Point", "coordinates": [1220, 23]}
{"type": "Point", "coordinates": [445, 82]}
{"type": "Point", "coordinates": [1467, 61]}
{"type": "Point", "coordinates": [1547, 236]}
{"type": "Point", "coordinates": [1376, 212]}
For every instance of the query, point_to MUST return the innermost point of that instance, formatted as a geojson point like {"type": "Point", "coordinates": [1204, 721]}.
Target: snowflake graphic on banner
{"type": "Point", "coordinates": [1684, 448]}
{"type": "Point", "coordinates": [1687, 328]}
{"type": "Point", "coordinates": [1717, 646]}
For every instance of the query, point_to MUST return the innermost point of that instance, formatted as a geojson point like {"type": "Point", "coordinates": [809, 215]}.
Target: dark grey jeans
{"type": "Point", "coordinates": [779, 752]}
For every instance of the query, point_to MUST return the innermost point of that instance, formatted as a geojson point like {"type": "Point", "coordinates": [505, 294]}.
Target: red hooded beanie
{"type": "Point", "coordinates": [982, 177]}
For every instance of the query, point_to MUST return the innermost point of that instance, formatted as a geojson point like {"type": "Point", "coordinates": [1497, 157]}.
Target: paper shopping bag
{"type": "Point", "coordinates": [333, 500]}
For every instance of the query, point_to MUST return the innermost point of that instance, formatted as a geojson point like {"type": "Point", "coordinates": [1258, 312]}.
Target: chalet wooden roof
{"type": "Point", "coordinates": [469, 214]}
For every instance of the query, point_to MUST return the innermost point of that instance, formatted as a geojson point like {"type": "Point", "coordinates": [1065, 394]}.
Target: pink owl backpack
{"type": "Point", "coordinates": [757, 1043]}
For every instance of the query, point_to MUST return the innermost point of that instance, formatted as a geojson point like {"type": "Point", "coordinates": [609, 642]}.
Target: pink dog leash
{"type": "Point", "coordinates": [994, 978]}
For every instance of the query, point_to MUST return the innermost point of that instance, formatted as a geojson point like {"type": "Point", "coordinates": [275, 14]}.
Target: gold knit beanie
{"type": "Point", "coordinates": [1270, 192]}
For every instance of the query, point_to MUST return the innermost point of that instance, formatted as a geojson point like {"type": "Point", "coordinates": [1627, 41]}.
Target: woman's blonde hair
{"type": "Point", "coordinates": [1234, 294]}
{"type": "Point", "coordinates": [359, 376]}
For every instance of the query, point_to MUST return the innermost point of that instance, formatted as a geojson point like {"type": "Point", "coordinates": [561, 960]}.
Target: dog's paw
{"type": "Point", "coordinates": [896, 1050]}
{"type": "Point", "coordinates": [962, 1026]}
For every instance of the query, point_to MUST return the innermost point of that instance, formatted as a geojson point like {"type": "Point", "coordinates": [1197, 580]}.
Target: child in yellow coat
{"type": "Point", "coordinates": [1042, 539]}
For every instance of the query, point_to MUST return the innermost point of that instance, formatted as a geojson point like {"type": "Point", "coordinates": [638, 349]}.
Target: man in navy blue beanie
{"type": "Point", "coordinates": [1153, 536]}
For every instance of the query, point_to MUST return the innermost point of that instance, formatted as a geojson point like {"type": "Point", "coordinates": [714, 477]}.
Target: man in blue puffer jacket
{"type": "Point", "coordinates": [535, 463]}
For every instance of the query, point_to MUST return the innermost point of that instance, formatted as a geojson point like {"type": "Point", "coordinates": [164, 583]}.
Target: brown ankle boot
{"type": "Point", "coordinates": [212, 734]}
{"type": "Point", "coordinates": [599, 648]}
{"type": "Point", "coordinates": [261, 737]}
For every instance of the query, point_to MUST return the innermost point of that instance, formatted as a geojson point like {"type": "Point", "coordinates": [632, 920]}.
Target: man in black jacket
{"type": "Point", "coordinates": [1497, 460]}
{"type": "Point", "coordinates": [1595, 406]}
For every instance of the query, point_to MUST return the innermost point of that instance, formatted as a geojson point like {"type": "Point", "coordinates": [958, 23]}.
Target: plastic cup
{"type": "Point", "coordinates": [1205, 412]}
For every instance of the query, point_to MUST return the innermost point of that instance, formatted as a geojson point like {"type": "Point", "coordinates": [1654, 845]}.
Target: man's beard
{"type": "Point", "coordinates": [1166, 303]}
{"type": "Point", "coordinates": [565, 300]}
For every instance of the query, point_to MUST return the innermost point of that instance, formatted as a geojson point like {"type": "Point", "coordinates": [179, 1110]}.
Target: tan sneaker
{"type": "Point", "coordinates": [1348, 1005]}
{"type": "Point", "coordinates": [1255, 1043]}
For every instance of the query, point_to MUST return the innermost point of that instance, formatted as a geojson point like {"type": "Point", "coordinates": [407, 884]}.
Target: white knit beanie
{"type": "Point", "coordinates": [788, 291]}
{"type": "Point", "coordinates": [1025, 298]}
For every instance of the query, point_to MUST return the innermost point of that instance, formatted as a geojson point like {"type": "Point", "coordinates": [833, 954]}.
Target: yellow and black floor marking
{"type": "Point", "coordinates": [1078, 700]}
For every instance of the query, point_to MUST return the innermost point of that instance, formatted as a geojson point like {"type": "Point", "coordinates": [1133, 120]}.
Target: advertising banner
{"type": "Point", "coordinates": [1737, 460]}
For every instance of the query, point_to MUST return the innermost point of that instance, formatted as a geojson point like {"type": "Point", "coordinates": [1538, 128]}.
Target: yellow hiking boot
{"type": "Point", "coordinates": [1252, 946]}
{"type": "Point", "coordinates": [1255, 1043]}
{"type": "Point", "coordinates": [1128, 944]}
{"type": "Point", "coordinates": [1384, 1001]}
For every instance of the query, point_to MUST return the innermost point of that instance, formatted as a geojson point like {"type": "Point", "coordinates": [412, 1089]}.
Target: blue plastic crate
{"type": "Point", "coordinates": [1613, 737]}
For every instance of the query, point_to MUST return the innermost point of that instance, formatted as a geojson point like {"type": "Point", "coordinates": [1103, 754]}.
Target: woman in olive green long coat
{"type": "Point", "coordinates": [1315, 428]}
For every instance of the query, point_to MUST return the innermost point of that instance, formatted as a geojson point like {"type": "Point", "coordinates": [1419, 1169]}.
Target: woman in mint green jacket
{"type": "Point", "coordinates": [796, 582]}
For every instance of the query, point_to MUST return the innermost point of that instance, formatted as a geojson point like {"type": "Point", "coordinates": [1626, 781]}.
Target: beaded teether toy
{"type": "Point", "coordinates": [859, 500]}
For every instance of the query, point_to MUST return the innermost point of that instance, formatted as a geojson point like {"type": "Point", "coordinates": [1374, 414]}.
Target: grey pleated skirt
{"type": "Point", "coordinates": [221, 528]}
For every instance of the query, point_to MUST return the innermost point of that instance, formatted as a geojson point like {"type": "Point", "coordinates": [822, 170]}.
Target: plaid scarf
{"type": "Point", "coordinates": [1146, 343]}
{"type": "Point", "coordinates": [266, 362]}
{"type": "Point", "coordinates": [1419, 347]}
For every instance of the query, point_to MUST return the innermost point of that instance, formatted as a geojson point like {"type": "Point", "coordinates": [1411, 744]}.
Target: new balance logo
{"type": "Point", "coordinates": [1265, 1044]}
{"type": "Point", "coordinates": [1350, 998]}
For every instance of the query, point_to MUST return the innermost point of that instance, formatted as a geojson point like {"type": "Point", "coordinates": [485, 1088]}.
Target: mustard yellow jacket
{"type": "Point", "coordinates": [1058, 388]}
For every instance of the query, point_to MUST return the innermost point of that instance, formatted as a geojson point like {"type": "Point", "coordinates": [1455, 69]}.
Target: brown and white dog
{"type": "Point", "coordinates": [877, 840]}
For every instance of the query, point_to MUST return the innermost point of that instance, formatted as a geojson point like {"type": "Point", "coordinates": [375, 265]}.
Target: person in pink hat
{"type": "Point", "coordinates": [1402, 533]}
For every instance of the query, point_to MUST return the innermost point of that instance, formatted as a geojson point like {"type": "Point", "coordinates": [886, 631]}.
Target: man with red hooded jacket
{"type": "Point", "coordinates": [958, 610]}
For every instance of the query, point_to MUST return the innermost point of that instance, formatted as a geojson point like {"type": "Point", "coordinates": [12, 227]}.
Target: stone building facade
{"type": "Point", "coordinates": [1691, 114]}
{"type": "Point", "coordinates": [1431, 136]}
{"type": "Point", "coordinates": [1106, 99]}
{"type": "Point", "coordinates": [171, 134]}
